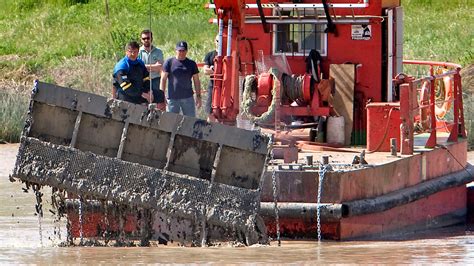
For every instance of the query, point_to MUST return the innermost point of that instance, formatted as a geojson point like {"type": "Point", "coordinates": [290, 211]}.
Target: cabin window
{"type": "Point", "coordinates": [298, 39]}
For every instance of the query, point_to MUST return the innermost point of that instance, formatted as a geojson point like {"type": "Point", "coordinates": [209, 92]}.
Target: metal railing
{"type": "Point", "coordinates": [415, 106]}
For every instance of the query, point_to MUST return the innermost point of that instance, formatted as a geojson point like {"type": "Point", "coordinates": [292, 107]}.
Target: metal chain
{"type": "Point", "coordinates": [275, 200]}
{"type": "Point", "coordinates": [81, 220]}
{"type": "Point", "coordinates": [322, 172]}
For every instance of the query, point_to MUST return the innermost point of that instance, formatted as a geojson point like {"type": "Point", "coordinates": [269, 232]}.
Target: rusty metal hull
{"type": "Point", "coordinates": [389, 211]}
{"type": "Point", "coordinates": [407, 194]}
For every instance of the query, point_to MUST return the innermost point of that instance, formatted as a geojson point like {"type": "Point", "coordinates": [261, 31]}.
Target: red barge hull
{"type": "Point", "coordinates": [415, 205]}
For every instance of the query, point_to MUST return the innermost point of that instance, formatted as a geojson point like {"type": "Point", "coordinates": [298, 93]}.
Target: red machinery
{"type": "Point", "coordinates": [360, 32]}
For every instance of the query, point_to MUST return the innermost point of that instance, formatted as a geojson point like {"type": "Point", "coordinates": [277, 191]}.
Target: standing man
{"type": "Point", "coordinates": [153, 59]}
{"type": "Point", "coordinates": [209, 70]}
{"type": "Point", "coordinates": [180, 72]}
{"type": "Point", "coordinates": [131, 78]}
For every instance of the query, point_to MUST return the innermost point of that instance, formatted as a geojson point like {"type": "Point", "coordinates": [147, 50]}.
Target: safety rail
{"type": "Point", "coordinates": [415, 104]}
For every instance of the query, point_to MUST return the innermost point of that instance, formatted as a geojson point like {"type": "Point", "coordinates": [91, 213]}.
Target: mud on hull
{"type": "Point", "coordinates": [108, 150]}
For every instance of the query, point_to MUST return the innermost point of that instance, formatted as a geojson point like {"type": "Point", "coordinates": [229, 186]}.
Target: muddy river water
{"type": "Point", "coordinates": [22, 242]}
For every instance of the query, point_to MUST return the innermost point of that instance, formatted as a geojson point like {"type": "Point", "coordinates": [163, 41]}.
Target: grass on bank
{"type": "Point", "coordinates": [46, 34]}
{"type": "Point", "coordinates": [439, 30]}
{"type": "Point", "coordinates": [13, 109]}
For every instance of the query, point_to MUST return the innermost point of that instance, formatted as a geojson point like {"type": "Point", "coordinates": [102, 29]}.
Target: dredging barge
{"type": "Point", "coordinates": [394, 152]}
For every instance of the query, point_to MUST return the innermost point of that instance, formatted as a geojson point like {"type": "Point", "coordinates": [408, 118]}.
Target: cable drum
{"type": "Point", "coordinates": [292, 87]}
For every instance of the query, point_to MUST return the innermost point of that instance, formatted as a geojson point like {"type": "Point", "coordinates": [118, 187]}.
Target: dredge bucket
{"type": "Point", "coordinates": [115, 151]}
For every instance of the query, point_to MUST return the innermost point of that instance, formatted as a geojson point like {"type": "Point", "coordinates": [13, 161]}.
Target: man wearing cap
{"type": "Point", "coordinates": [180, 72]}
{"type": "Point", "coordinates": [153, 59]}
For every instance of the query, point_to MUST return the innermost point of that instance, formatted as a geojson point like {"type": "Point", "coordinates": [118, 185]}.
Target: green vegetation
{"type": "Point", "coordinates": [48, 34]}
{"type": "Point", "coordinates": [75, 43]}
{"type": "Point", "coordinates": [439, 30]}
{"type": "Point", "coordinates": [13, 108]}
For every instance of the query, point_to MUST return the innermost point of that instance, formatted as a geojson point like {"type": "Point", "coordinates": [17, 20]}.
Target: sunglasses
{"type": "Point", "coordinates": [146, 38]}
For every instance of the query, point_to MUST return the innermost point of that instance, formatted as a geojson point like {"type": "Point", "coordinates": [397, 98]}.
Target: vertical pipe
{"type": "Point", "coordinates": [221, 31]}
{"type": "Point", "coordinates": [218, 76]}
{"type": "Point", "coordinates": [390, 56]}
{"type": "Point", "coordinates": [229, 37]}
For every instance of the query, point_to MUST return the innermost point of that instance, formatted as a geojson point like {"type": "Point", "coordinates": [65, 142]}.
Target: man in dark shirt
{"type": "Point", "coordinates": [209, 70]}
{"type": "Point", "coordinates": [180, 72]}
{"type": "Point", "coordinates": [131, 78]}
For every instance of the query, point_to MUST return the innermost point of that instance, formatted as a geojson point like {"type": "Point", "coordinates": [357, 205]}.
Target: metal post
{"type": "Point", "coordinates": [393, 146]}
{"type": "Point", "coordinates": [406, 115]}
{"type": "Point", "coordinates": [431, 142]}
{"type": "Point", "coordinates": [325, 159]}
{"type": "Point", "coordinates": [462, 126]}
{"type": "Point", "coordinates": [453, 136]}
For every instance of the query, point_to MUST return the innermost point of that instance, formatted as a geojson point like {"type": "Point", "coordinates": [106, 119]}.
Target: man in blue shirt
{"type": "Point", "coordinates": [131, 78]}
{"type": "Point", "coordinates": [180, 72]}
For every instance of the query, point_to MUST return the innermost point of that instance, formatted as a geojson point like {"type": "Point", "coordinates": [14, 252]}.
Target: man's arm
{"type": "Point", "coordinates": [156, 67]}
{"type": "Point", "coordinates": [121, 78]}
{"type": "Point", "coordinates": [208, 65]}
{"type": "Point", "coordinates": [208, 70]}
{"type": "Point", "coordinates": [146, 89]}
{"type": "Point", "coordinates": [147, 94]}
{"type": "Point", "coordinates": [164, 79]}
{"type": "Point", "coordinates": [114, 92]}
{"type": "Point", "coordinates": [197, 89]}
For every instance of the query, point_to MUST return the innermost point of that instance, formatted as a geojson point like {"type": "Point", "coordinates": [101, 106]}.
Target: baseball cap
{"type": "Point", "coordinates": [182, 45]}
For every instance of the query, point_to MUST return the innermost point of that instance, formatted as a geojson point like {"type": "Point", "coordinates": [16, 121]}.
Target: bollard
{"type": "Point", "coordinates": [325, 159]}
{"type": "Point", "coordinates": [393, 146]}
{"type": "Point", "coordinates": [309, 159]}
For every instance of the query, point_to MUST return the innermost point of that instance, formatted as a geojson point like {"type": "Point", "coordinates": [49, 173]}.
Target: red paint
{"type": "Point", "coordinates": [421, 213]}
{"type": "Point", "coordinates": [94, 223]}
{"type": "Point", "coordinates": [383, 120]}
